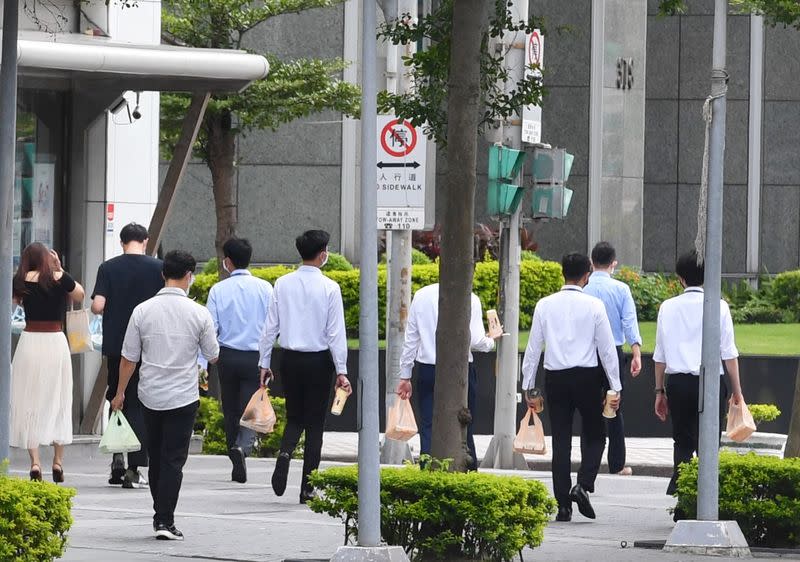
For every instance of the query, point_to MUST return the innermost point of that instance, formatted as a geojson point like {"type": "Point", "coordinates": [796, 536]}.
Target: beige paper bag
{"type": "Point", "coordinates": [740, 422]}
{"type": "Point", "coordinates": [400, 422]}
{"type": "Point", "coordinates": [259, 414]}
{"type": "Point", "coordinates": [530, 439]}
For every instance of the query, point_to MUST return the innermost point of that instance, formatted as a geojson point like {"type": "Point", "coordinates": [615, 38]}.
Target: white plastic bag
{"type": "Point", "coordinates": [78, 334]}
{"type": "Point", "coordinates": [740, 422]}
{"type": "Point", "coordinates": [400, 422]}
{"type": "Point", "coordinates": [119, 436]}
{"type": "Point", "coordinates": [530, 439]}
{"type": "Point", "coordinates": [259, 415]}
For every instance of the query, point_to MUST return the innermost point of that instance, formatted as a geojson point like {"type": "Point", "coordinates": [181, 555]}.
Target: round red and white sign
{"type": "Point", "coordinates": [398, 138]}
{"type": "Point", "coordinates": [535, 48]}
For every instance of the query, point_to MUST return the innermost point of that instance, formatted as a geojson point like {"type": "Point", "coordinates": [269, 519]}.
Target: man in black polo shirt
{"type": "Point", "coordinates": [122, 284]}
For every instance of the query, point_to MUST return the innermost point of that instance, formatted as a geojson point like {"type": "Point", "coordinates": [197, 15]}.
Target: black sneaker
{"type": "Point", "coordinates": [280, 474]}
{"type": "Point", "coordinates": [117, 469]}
{"type": "Point", "coordinates": [239, 472]}
{"type": "Point", "coordinates": [134, 480]}
{"type": "Point", "coordinates": [168, 533]}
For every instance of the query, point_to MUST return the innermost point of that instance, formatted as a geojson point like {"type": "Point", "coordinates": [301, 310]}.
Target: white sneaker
{"type": "Point", "coordinates": [171, 533]}
{"type": "Point", "coordinates": [134, 480]}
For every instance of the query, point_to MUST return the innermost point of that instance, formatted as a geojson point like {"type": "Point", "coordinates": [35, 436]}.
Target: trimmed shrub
{"type": "Point", "coordinates": [527, 255]}
{"type": "Point", "coordinates": [764, 412]}
{"type": "Point", "coordinates": [419, 258]}
{"type": "Point", "coordinates": [443, 515]}
{"type": "Point", "coordinates": [34, 519]}
{"type": "Point", "coordinates": [537, 279]}
{"type": "Point", "coordinates": [210, 423]}
{"type": "Point", "coordinates": [761, 493]}
{"type": "Point", "coordinates": [759, 311]}
{"type": "Point", "coordinates": [785, 293]}
{"type": "Point", "coordinates": [337, 262]}
{"type": "Point", "coordinates": [648, 291]}
{"type": "Point", "coordinates": [211, 266]}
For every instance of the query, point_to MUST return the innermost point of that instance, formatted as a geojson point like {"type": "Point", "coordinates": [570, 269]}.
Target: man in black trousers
{"type": "Point", "coordinates": [573, 329]}
{"type": "Point", "coordinates": [239, 307]}
{"type": "Point", "coordinates": [122, 284]}
{"type": "Point", "coordinates": [308, 315]}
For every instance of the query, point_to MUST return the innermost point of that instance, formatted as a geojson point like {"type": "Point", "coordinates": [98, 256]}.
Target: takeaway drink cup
{"type": "Point", "coordinates": [338, 401]}
{"type": "Point", "coordinates": [495, 329]}
{"type": "Point", "coordinates": [608, 411]}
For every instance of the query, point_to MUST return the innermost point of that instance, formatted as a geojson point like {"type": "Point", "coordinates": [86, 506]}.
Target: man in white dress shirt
{"type": "Point", "coordinates": [308, 315]}
{"type": "Point", "coordinates": [573, 329]}
{"type": "Point", "coordinates": [678, 354]}
{"type": "Point", "coordinates": [419, 346]}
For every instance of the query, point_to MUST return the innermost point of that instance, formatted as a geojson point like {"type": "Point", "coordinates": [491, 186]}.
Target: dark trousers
{"type": "Point", "coordinates": [425, 383]}
{"type": "Point", "coordinates": [578, 389]}
{"type": "Point", "coordinates": [238, 381]}
{"type": "Point", "coordinates": [307, 381]}
{"type": "Point", "coordinates": [170, 432]}
{"type": "Point", "coordinates": [616, 426]}
{"type": "Point", "coordinates": [683, 392]}
{"type": "Point", "coordinates": [132, 409]}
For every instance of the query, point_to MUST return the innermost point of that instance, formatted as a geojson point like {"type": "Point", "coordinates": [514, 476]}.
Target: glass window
{"type": "Point", "coordinates": [39, 172]}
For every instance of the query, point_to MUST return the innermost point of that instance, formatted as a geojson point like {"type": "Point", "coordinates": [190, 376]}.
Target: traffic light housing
{"type": "Point", "coordinates": [551, 169]}
{"type": "Point", "coordinates": [504, 195]}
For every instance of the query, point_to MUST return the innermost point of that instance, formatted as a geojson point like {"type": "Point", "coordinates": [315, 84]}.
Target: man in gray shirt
{"type": "Point", "coordinates": [165, 334]}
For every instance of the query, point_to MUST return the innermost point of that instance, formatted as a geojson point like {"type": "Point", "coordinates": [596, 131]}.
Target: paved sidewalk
{"type": "Point", "coordinates": [647, 456]}
{"type": "Point", "coordinates": [227, 521]}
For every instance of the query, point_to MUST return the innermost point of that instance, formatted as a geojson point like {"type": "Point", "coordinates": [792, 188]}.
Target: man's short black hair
{"type": "Point", "coordinates": [239, 251]}
{"type": "Point", "coordinates": [575, 265]}
{"type": "Point", "coordinates": [133, 233]}
{"type": "Point", "coordinates": [687, 269]}
{"type": "Point", "coordinates": [603, 254]}
{"type": "Point", "coordinates": [311, 243]}
{"type": "Point", "coordinates": [177, 264]}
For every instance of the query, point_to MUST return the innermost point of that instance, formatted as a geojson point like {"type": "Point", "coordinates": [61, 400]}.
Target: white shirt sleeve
{"type": "Point", "coordinates": [479, 341]}
{"type": "Point", "coordinates": [658, 354]}
{"type": "Point", "coordinates": [272, 328]}
{"type": "Point", "coordinates": [411, 342]}
{"type": "Point", "coordinates": [533, 352]}
{"type": "Point", "coordinates": [336, 331]}
{"type": "Point", "coordinates": [604, 340]}
{"type": "Point", "coordinates": [211, 305]}
{"type": "Point", "coordinates": [209, 346]}
{"type": "Point", "coordinates": [132, 344]}
{"type": "Point", "coordinates": [727, 344]}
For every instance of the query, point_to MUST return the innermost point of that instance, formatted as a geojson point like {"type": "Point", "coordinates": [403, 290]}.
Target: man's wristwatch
{"type": "Point", "coordinates": [660, 391]}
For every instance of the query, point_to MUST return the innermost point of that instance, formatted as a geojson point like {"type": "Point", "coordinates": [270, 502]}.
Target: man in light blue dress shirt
{"type": "Point", "coordinates": [239, 306]}
{"type": "Point", "coordinates": [621, 311]}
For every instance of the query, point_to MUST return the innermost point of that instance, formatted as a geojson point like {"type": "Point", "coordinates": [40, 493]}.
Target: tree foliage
{"type": "Point", "coordinates": [775, 12]}
{"type": "Point", "coordinates": [293, 89]}
{"type": "Point", "coordinates": [429, 68]}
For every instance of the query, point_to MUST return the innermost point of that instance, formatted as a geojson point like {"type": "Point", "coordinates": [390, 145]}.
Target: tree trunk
{"type": "Point", "coordinates": [221, 156]}
{"type": "Point", "coordinates": [793, 441]}
{"type": "Point", "coordinates": [457, 196]}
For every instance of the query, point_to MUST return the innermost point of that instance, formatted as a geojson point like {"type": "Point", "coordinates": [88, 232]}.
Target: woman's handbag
{"type": "Point", "coordinates": [400, 422]}
{"type": "Point", "coordinates": [530, 439]}
{"type": "Point", "coordinates": [78, 334]}
{"type": "Point", "coordinates": [119, 436]}
{"type": "Point", "coordinates": [740, 422]}
{"type": "Point", "coordinates": [259, 414]}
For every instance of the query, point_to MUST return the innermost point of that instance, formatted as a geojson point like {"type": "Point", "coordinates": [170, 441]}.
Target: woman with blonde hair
{"type": "Point", "coordinates": [41, 372]}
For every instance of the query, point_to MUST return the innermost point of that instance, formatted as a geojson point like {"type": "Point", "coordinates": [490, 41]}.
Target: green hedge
{"type": "Point", "coordinates": [649, 291]}
{"type": "Point", "coordinates": [761, 493]}
{"type": "Point", "coordinates": [785, 293]}
{"type": "Point", "coordinates": [444, 515]}
{"type": "Point", "coordinates": [34, 519]}
{"type": "Point", "coordinates": [210, 423]}
{"type": "Point", "coordinates": [537, 279]}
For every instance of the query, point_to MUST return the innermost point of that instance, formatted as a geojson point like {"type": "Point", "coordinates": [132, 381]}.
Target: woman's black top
{"type": "Point", "coordinates": [47, 304]}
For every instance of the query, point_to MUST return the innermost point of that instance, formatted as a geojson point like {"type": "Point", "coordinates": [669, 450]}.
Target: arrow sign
{"type": "Point", "coordinates": [398, 164]}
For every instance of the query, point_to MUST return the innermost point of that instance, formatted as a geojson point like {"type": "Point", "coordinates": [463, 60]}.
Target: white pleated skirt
{"type": "Point", "coordinates": [41, 391]}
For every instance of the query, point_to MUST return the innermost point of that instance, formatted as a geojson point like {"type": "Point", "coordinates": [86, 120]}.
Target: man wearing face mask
{"type": "Point", "coordinates": [573, 329]}
{"type": "Point", "coordinates": [239, 306]}
{"type": "Point", "coordinates": [308, 315]}
{"type": "Point", "coordinates": [166, 333]}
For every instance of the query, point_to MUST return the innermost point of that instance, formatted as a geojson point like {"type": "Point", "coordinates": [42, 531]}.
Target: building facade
{"type": "Point", "coordinates": [637, 140]}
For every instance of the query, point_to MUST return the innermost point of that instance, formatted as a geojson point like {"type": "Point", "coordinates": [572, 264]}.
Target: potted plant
{"type": "Point", "coordinates": [769, 444]}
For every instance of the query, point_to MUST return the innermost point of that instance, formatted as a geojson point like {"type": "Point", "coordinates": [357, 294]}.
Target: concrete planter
{"type": "Point", "coordinates": [767, 444]}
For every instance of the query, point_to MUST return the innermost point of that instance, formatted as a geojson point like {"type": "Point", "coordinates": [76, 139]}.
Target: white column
{"type": "Point", "coordinates": [596, 122]}
{"type": "Point", "coordinates": [350, 133]}
{"type": "Point", "coordinates": [754, 144]}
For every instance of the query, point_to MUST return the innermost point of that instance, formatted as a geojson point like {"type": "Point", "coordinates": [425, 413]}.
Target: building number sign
{"type": "Point", "coordinates": [624, 73]}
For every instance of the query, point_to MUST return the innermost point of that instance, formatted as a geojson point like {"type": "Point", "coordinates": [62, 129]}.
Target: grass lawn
{"type": "Point", "coordinates": [751, 339]}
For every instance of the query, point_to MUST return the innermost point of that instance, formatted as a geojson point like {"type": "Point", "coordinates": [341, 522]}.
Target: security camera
{"type": "Point", "coordinates": [136, 113]}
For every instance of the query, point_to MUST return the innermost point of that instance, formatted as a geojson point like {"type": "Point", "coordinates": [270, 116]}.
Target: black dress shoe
{"type": "Point", "coordinates": [307, 494]}
{"type": "Point", "coordinates": [564, 514]}
{"type": "Point", "coordinates": [679, 514]}
{"type": "Point", "coordinates": [239, 472]}
{"type": "Point", "coordinates": [579, 496]}
{"type": "Point", "coordinates": [281, 474]}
